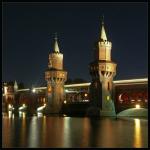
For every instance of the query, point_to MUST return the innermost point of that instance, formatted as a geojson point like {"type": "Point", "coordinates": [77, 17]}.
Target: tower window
{"type": "Point", "coordinates": [102, 72]}
{"type": "Point", "coordinates": [108, 86]}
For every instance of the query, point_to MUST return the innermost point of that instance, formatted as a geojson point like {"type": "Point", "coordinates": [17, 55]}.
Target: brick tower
{"type": "Point", "coordinates": [102, 71]}
{"type": "Point", "coordinates": [55, 77]}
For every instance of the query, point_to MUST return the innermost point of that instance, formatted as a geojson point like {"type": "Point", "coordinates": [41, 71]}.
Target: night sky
{"type": "Point", "coordinates": [28, 33]}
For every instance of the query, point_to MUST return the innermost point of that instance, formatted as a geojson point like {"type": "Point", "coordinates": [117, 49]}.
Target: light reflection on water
{"type": "Point", "coordinates": [66, 132]}
{"type": "Point", "coordinates": [137, 135]}
{"type": "Point", "coordinates": [42, 131]}
{"type": "Point", "coordinates": [33, 132]}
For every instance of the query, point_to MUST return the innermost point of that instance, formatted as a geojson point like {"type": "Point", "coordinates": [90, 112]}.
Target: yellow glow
{"type": "Point", "coordinates": [40, 88]}
{"type": "Point", "coordinates": [23, 114]}
{"type": "Point", "coordinates": [9, 114]}
{"type": "Point", "coordinates": [40, 114]}
{"type": "Point", "coordinates": [44, 104]}
{"type": "Point", "coordinates": [137, 134]}
{"type": "Point", "coordinates": [131, 80]}
{"type": "Point", "coordinates": [33, 90]}
{"type": "Point", "coordinates": [44, 100]}
{"type": "Point", "coordinates": [24, 105]}
{"type": "Point", "coordinates": [49, 89]}
{"type": "Point", "coordinates": [75, 85]}
{"type": "Point", "coordinates": [137, 106]}
{"type": "Point", "coordinates": [108, 97]}
{"type": "Point", "coordinates": [23, 130]}
{"type": "Point", "coordinates": [132, 100]}
{"type": "Point", "coordinates": [65, 102]}
{"type": "Point", "coordinates": [23, 90]}
{"type": "Point", "coordinates": [5, 90]}
{"type": "Point", "coordinates": [9, 106]}
{"type": "Point", "coordinates": [85, 94]}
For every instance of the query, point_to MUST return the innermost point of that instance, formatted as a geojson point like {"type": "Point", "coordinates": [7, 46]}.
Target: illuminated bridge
{"type": "Point", "coordinates": [126, 94]}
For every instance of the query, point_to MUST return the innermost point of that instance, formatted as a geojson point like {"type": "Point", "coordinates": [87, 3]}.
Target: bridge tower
{"type": "Point", "coordinates": [55, 76]}
{"type": "Point", "coordinates": [102, 70]}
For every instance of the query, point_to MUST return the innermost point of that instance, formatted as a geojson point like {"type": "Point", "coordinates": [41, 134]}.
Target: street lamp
{"type": "Point", "coordinates": [85, 94]}
{"type": "Point", "coordinates": [137, 106]}
{"type": "Point", "coordinates": [33, 90]}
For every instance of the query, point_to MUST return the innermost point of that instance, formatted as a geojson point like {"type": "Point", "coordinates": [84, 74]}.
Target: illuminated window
{"type": "Point", "coordinates": [132, 101]}
{"type": "Point", "coordinates": [108, 97]}
{"type": "Point", "coordinates": [49, 89]}
{"type": "Point", "coordinates": [44, 100]}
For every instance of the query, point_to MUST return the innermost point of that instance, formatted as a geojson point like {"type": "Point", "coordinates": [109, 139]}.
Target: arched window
{"type": "Point", "coordinates": [108, 86]}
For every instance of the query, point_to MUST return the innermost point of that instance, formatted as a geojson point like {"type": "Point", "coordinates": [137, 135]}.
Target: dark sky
{"type": "Point", "coordinates": [28, 32]}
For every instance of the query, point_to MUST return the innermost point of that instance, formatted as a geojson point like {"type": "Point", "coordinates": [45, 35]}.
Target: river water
{"type": "Point", "coordinates": [79, 132]}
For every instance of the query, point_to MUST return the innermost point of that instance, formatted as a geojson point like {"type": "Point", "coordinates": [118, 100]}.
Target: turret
{"type": "Point", "coordinates": [102, 70]}
{"type": "Point", "coordinates": [55, 77]}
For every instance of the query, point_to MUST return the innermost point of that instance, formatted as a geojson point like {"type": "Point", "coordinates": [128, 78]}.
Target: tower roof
{"type": "Point", "coordinates": [15, 83]}
{"type": "Point", "coordinates": [15, 86]}
{"type": "Point", "coordinates": [56, 47]}
{"type": "Point", "coordinates": [103, 33]}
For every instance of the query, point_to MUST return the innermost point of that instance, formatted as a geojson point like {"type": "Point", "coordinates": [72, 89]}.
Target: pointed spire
{"type": "Point", "coordinates": [15, 86]}
{"type": "Point", "coordinates": [56, 48]}
{"type": "Point", "coordinates": [103, 33]}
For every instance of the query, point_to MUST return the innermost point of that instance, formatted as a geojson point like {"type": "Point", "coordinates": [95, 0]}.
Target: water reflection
{"type": "Point", "coordinates": [137, 135]}
{"type": "Point", "coordinates": [22, 114]}
{"type": "Point", "coordinates": [66, 132]}
{"type": "Point", "coordinates": [42, 131]}
{"type": "Point", "coordinates": [33, 133]}
{"type": "Point", "coordinates": [10, 114]}
{"type": "Point", "coordinates": [23, 129]}
{"type": "Point", "coordinates": [106, 133]}
{"type": "Point", "coordinates": [86, 133]}
{"type": "Point", "coordinates": [39, 114]}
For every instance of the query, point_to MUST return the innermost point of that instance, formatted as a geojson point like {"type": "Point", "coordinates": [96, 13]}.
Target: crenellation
{"type": "Point", "coordinates": [105, 43]}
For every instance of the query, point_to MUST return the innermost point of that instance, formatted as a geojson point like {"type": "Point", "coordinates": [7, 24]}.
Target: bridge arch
{"type": "Point", "coordinates": [134, 112]}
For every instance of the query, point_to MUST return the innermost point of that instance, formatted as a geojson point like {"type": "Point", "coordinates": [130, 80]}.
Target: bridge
{"type": "Point", "coordinates": [126, 94]}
